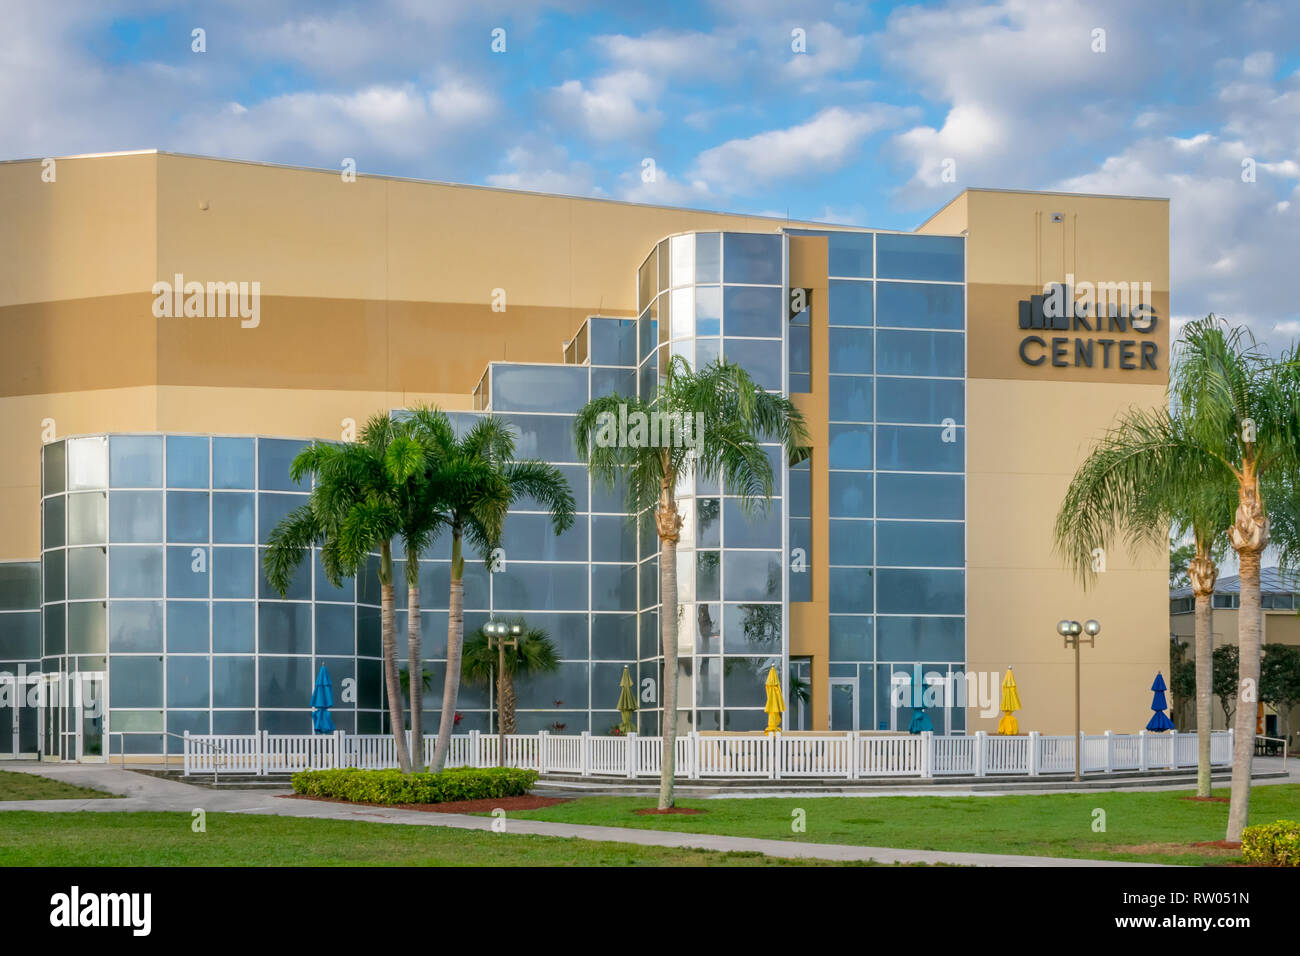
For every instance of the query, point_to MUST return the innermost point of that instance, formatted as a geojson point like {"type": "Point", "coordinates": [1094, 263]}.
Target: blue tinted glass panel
{"type": "Point", "coordinates": [187, 573]}
{"type": "Point", "coordinates": [137, 681]}
{"type": "Point", "coordinates": [20, 636]}
{"type": "Point", "coordinates": [850, 302]}
{"type": "Point", "coordinates": [920, 400]}
{"type": "Point", "coordinates": [274, 456]}
{"type": "Point", "coordinates": [546, 437]}
{"type": "Point", "coordinates": [134, 626]}
{"type": "Point", "coordinates": [757, 530]}
{"type": "Point", "coordinates": [272, 508]}
{"type": "Point", "coordinates": [187, 682]}
{"type": "Point", "coordinates": [920, 353]}
{"type": "Point", "coordinates": [928, 638]}
{"type": "Point", "coordinates": [850, 590]}
{"type": "Point", "coordinates": [613, 341]}
{"type": "Point", "coordinates": [538, 388]}
{"type": "Point", "coordinates": [919, 305]}
{"type": "Point", "coordinates": [708, 257]}
{"type": "Point", "coordinates": [54, 465]}
{"type": "Point", "coordinates": [751, 575]}
{"type": "Point", "coordinates": [921, 592]}
{"type": "Point", "coordinates": [135, 461]}
{"type": "Point", "coordinates": [751, 311]}
{"type": "Point", "coordinates": [233, 628]}
{"type": "Point", "coordinates": [613, 587]}
{"type": "Point", "coordinates": [762, 360]}
{"type": "Point", "coordinates": [850, 351]}
{"type": "Point", "coordinates": [135, 516]}
{"type": "Point", "coordinates": [234, 572]}
{"type": "Point", "coordinates": [850, 542]}
{"type": "Point", "coordinates": [135, 572]}
{"type": "Point", "coordinates": [850, 446]}
{"type": "Point", "coordinates": [234, 683]}
{"type": "Point", "coordinates": [87, 572]}
{"type": "Point", "coordinates": [232, 518]}
{"type": "Point", "coordinates": [919, 448]}
{"type": "Point", "coordinates": [800, 575]}
{"type": "Point", "coordinates": [187, 462]}
{"type": "Point", "coordinates": [850, 398]}
{"type": "Point", "coordinates": [920, 496]}
{"type": "Point", "coordinates": [850, 254]}
{"type": "Point", "coordinates": [750, 258]}
{"type": "Point", "coordinates": [348, 586]}
{"type": "Point", "coordinates": [284, 628]}
{"type": "Point", "coordinates": [613, 638]}
{"type": "Point", "coordinates": [851, 639]}
{"type": "Point", "coordinates": [187, 516]}
{"type": "Point", "coordinates": [751, 628]}
{"type": "Point", "coordinates": [708, 310]}
{"type": "Point", "coordinates": [300, 580]}
{"type": "Point", "coordinates": [610, 381]}
{"type": "Point", "coordinates": [850, 494]}
{"type": "Point", "coordinates": [286, 682]}
{"type": "Point", "coordinates": [232, 463]}
{"type": "Point", "coordinates": [934, 258]}
{"type": "Point", "coordinates": [613, 538]}
{"type": "Point", "coordinates": [336, 630]}
{"type": "Point", "coordinates": [528, 537]}
{"type": "Point", "coordinates": [187, 627]}
{"type": "Point", "coordinates": [921, 544]}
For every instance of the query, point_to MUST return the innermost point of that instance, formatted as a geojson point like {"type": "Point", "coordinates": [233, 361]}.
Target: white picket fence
{"type": "Point", "coordinates": [852, 756]}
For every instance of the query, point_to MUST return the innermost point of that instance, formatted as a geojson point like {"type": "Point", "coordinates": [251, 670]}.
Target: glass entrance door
{"type": "Point", "coordinates": [19, 731]}
{"type": "Point", "coordinates": [51, 717]}
{"type": "Point", "coordinates": [91, 710]}
{"type": "Point", "coordinates": [844, 703]}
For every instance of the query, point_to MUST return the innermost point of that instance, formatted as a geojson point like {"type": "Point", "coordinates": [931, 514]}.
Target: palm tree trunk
{"type": "Point", "coordinates": [668, 524]}
{"type": "Point", "coordinates": [455, 641]}
{"type": "Point", "coordinates": [508, 702]}
{"type": "Point", "coordinates": [388, 634]}
{"type": "Point", "coordinates": [1202, 573]}
{"type": "Point", "coordinates": [415, 661]}
{"type": "Point", "coordinates": [1249, 535]}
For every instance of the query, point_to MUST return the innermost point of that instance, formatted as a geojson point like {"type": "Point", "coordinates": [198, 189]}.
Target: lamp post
{"type": "Point", "coordinates": [1073, 633]}
{"type": "Point", "coordinates": [496, 632]}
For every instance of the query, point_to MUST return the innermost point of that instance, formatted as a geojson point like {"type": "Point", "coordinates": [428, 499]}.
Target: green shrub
{"type": "Point", "coordinates": [1273, 844]}
{"type": "Point", "coordinates": [392, 786]}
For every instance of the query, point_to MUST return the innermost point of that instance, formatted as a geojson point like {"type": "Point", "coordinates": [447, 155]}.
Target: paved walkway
{"type": "Point", "coordinates": [143, 792]}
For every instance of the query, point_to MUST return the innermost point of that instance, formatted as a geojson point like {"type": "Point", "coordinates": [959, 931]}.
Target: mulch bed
{"type": "Point", "coordinates": [1220, 844]}
{"type": "Point", "coordinates": [655, 811]}
{"type": "Point", "coordinates": [1207, 799]}
{"type": "Point", "coordinates": [528, 802]}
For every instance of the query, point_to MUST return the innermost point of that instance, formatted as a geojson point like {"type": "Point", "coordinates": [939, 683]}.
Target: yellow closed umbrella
{"type": "Point", "coordinates": [1007, 726]}
{"type": "Point", "coordinates": [775, 705]}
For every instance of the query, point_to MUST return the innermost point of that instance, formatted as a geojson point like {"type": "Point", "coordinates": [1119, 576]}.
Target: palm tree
{"type": "Point", "coordinates": [1144, 476]}
{"type": "Point", "coordinates": [534, 653]}
{"type": "Point", "coordinates": [734, 415]}
{"type": "Point", "coordinates": [352, 511]}
{"type": "Point", "coordinates": [475, 481]}
{"type": "Point", "coordinates": [422, 435]}
{"type": "Point", "coordinates": [1244, 414]}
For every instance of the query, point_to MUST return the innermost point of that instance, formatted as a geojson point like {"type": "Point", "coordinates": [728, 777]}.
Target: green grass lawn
{"type": "Point", "coordinates": [1152, 827]}
{"type": "Point", "coordinates": [26, 786]}
{"type": "Point", "coordinates": [235, 839]}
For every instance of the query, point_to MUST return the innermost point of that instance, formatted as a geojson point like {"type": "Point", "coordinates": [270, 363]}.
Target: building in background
{"type": "Point", "coordinates": [914, 540]}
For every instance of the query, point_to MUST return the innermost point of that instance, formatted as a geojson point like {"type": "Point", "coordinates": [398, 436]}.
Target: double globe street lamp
{"type": "Point", "coordinates": [497, 632]}
{"type": "Point", "coordinates": [1074, 632]}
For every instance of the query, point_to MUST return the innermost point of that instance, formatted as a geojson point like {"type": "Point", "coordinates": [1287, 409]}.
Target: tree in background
{"type": "Point", "coordinates": [1279, 681]}
{"type": "Point", "coordinates": [1182, 680]}
{"type": "Point", "coordinates": [1227, 662]}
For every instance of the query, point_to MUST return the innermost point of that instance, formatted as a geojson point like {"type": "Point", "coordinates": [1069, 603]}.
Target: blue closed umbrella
{"type": "Point", "coordinates": [322, 699]}
{"type": "Point", "coordinates": [920, 719]}
{"type": "Point", "coordinates": [1159, 721]}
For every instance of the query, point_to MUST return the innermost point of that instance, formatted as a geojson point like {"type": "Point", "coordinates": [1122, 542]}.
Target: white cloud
{"type": "Point", "coordinates": [546, 169]}
{"type": "Point", "coordinates": [828, 141]}
{"type": "Point", "coordinates": [616, 106]}
{"type": "Point", "coordinates": [829, 50]}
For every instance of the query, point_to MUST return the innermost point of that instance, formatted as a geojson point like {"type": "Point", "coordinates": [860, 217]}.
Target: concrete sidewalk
{"type": "Point", "coordinates": [142, 792]}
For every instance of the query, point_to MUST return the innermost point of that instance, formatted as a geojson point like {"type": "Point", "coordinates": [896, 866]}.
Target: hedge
{"type": "Point", "coordinates": [1273, 844]}
{"type": "Point", "coordinates": [393, 786]}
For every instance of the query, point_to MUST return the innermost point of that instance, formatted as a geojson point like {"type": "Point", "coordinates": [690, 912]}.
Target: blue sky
{"type": "Point", "coordinates": [857, 128]}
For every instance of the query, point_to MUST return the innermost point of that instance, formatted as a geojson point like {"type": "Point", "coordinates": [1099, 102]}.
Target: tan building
{"type": "Point", "coordinates": [948, 402]}
{"type": "Point", "coordinates": [1279, 601]}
